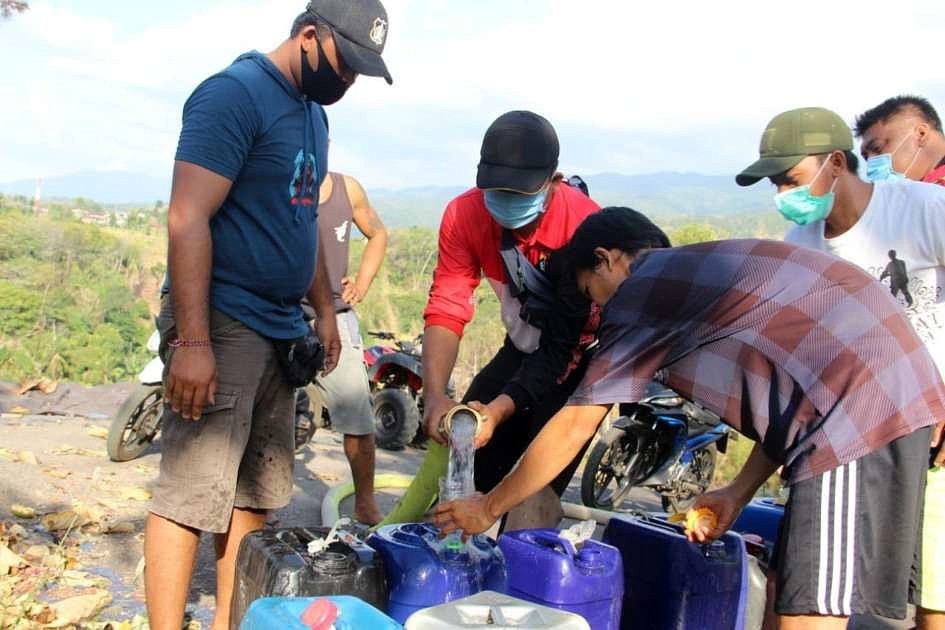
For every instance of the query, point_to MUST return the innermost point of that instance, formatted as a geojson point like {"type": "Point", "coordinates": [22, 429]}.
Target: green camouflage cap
{"type": "Point", "coordinates": [792, 136]}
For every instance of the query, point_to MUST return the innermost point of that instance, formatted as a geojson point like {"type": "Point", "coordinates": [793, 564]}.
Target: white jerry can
{"type": "Point", "coordinates": [495, 611]}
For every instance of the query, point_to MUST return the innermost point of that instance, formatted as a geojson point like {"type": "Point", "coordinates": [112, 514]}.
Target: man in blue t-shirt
{"type": "Point", "coordinates": [242, 252]}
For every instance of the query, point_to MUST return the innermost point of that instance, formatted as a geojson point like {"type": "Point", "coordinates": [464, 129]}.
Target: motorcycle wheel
{"type": "Point", "coordinates": [136, 423]}
{"type": "Point", "coordinates": [613, 467]}
{"type": "Point", "coordinates": [701, 473]}
{"type": "Point", "coordinates": [396, 418]}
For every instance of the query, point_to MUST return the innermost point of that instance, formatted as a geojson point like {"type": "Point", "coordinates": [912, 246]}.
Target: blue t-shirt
{"type": "Point", "coordinates": [250, 125]}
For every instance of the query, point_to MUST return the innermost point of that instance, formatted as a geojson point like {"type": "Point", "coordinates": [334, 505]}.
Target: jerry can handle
{"type": "Point", "coordinates": [547, 539]}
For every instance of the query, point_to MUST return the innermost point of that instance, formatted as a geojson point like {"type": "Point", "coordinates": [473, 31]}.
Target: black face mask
{"type": "Point", "coordinates": [322, 85]}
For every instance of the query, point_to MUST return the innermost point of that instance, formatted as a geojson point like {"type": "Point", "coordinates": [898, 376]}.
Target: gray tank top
{"type": "Point", "coordinates": [334, 231]}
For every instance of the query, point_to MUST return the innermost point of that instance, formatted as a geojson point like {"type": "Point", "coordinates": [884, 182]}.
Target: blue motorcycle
{"type": "Point", "coordinates": [665, 443]}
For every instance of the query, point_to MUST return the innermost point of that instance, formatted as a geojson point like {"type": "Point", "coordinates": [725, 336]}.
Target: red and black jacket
{"type": "Point", "coordinates": [469, 244]}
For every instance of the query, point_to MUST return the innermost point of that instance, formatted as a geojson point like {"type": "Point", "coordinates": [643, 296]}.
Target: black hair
{"type": "Point", "coordinates": [305, 19]}
{"type": "Point", "coordinates": [894, 106]}
{"type": "Point", "coordinates": [853, 162]}
{"type": "Point", "coordinates": [613, 228]}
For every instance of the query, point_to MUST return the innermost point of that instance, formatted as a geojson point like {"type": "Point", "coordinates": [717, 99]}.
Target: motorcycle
{"type": "Point", "coordinates": [396, 381]}
{"type": "Point", "coordinates": [665, 443]}
{"type": "Point", "coordinates": [139, 417]}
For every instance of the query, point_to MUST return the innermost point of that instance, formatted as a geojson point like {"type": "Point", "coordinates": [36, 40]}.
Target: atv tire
{"type": "Point", "coordinates": [396, 418]}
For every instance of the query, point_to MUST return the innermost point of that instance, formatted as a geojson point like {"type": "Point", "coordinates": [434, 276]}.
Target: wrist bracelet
{"type": "Point", "coordinates": [189, 343]}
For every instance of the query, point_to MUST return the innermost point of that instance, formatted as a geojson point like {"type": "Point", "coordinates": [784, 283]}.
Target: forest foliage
{"type": "Point", "coordinates": [78, 300]}
{"type": "Point", "coordinates": [73, 297]}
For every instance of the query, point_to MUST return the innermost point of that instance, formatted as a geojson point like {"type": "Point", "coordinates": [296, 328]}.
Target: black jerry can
{"type": "Point", "coordinates": [276, 563]}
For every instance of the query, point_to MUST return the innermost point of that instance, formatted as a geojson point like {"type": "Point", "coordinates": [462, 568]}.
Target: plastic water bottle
{"type": "Point", "coordinates": [461, 424]}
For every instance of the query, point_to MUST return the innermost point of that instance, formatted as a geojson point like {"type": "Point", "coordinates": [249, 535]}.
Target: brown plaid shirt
{"type": "Point", "coordinates": [796, 349]}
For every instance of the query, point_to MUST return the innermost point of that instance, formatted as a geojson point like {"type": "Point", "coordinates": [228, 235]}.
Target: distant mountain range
{"type": "Point", "coordinates": [108, 187]}
{"type": "Point", "coordinates": [659, 194]}
{"type": "Point", "coordinates": [692, 194]}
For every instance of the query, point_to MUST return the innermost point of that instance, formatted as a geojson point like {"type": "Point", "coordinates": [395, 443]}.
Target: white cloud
{"type": "Point", "coordinates": [630, 86]}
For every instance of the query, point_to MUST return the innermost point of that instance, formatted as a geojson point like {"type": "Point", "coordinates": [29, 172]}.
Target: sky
{"type": "Point", "coordinates": [631, 87]}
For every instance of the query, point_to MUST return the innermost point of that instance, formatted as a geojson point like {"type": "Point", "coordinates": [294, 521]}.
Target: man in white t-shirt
{"type": "Point", "coordinates": [901, 138]}
{"type": "Point", "coordinates": [894, 229]}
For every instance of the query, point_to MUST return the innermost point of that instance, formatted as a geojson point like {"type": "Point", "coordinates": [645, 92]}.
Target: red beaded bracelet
{"type": "Point", "coordinates": [189, 343]}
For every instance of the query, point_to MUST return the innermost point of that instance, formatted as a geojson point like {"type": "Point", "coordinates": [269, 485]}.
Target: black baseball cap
{"type": "Point", "coordinates": [519, 153]}
{"type": "Point", "coordinates": [360, 31]}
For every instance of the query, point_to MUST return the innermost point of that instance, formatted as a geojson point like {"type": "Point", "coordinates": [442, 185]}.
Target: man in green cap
{"type": "Point", "coordinates": [808, 155]}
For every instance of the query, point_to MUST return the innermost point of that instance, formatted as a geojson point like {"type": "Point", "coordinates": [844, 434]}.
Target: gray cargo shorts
{"type": "Point", "coordinates": [240, 452]}
{"type": "Point", "coordinates": [346, 391]}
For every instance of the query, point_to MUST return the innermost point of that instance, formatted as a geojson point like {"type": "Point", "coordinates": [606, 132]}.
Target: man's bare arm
{"type": "Point", "coordinates": [370, 224]}
{"type": "Point", "coordinates": [196, 195]}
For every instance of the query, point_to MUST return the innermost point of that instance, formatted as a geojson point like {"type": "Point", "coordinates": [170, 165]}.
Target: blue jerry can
{"type": "Point", "coordinates": [285, 613]}
{"type": "Point", "coordinates": [673, 584]}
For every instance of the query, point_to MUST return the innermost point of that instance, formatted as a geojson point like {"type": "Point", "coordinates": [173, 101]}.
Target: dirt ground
{"type": "Point", "coordinates": [52, 459]}
{"type": "Point", "coordinates": [51, 426]}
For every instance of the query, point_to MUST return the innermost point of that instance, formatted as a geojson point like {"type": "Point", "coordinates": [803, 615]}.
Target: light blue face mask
{"type": "Point", "coordinates": [880, 167]}
{"type": "Point", "coordinates": [514, 210]}
{"type": "Point", "coordinates": [800, 206]}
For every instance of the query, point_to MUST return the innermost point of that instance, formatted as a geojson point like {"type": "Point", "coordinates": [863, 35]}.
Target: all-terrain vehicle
{"type": "Point", "coordinates": [396, 379]}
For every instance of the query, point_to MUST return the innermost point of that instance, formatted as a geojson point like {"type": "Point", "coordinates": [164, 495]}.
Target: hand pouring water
{"type": "Point", "coordinates": [461, 424]}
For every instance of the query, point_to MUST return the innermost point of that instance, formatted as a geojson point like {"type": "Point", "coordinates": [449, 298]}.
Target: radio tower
{"type": "Point", "coordinates": [38, 194]}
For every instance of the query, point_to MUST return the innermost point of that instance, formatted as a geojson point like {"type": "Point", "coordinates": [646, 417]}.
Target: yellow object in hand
{"type": "Point", "coordinates": [703, 516]}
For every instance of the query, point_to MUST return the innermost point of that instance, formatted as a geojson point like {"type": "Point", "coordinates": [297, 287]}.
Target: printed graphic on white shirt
{"type": "Point", "coordinates": [920, 294]}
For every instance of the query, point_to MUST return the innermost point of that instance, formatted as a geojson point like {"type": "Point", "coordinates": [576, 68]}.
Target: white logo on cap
{"type": "Point", "coordinates": [378, 31]}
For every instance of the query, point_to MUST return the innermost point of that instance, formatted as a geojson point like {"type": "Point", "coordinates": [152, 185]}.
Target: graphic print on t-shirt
{"type": "Point", "coordinates": [340, 232]}
{"type": "Point", "coordinates": [898, 277]}
{"type": "Point", "coordinates": [302, 188]}
{"type": "Point", "coordinates": [920, 300]}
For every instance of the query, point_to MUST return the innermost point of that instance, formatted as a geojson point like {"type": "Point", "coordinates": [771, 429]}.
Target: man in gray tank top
{"type": "Point", "coordinates": [346, 391]}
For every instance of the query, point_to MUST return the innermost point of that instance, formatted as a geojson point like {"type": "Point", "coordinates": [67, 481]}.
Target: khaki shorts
{"type": "Point", "coordinates": [346, 391]}
{"type": "Point", "coordinates": [240, 452]}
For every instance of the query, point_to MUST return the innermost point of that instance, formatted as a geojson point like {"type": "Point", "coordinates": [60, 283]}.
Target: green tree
{"type": "Point", "coordinates": [67, 292]}
{"type": "Point", "coordinates": [693, 233]}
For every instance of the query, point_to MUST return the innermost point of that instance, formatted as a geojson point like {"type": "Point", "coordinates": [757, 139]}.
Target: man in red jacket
{"type": "Point", "coordinates": [522, 208]}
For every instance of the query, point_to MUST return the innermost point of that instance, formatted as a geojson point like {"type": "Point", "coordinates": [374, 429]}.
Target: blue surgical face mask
{"type": "Point", "coordinates": [880, 167]}
{"type": "Point", "coordinates": [514, 210]}
{"type": "Point", "coordinates": [800, 206]}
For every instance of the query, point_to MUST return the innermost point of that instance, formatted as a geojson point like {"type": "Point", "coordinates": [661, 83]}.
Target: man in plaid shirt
{"type": "Point", "coordinates": [800, 351]}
